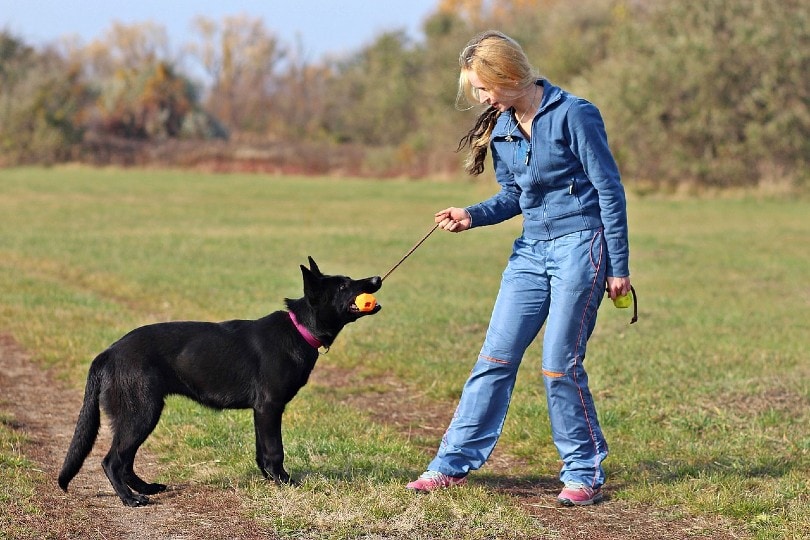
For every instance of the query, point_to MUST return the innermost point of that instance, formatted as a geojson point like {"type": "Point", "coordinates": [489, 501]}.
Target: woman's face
{"type": "Point", "coordinates": [497, 96]}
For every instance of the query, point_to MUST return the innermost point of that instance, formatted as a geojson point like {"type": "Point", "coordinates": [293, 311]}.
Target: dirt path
{"type": "Point", "coordinates": [91, 510]}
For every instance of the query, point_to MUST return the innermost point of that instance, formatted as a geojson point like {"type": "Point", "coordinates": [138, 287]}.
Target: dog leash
{"type": "Point", "coordinates": [436, 226]}
{"type": "Point", "coordinates": [419, 243]}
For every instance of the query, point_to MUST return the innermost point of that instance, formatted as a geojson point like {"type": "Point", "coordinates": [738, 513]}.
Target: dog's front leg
{"type": "Point", "coordinates": [269, 447]}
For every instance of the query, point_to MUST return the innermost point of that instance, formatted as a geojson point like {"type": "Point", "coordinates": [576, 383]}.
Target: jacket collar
{"type": "Point", "coordinates": [551, 95]}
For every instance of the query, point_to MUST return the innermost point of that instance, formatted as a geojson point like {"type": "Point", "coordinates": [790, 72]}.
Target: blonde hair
{"type": "Point", "coordinates": [499, 62]}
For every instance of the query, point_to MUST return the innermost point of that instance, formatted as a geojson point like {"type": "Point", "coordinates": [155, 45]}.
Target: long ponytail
{"type": "Point", "coordinates": [478, 140]}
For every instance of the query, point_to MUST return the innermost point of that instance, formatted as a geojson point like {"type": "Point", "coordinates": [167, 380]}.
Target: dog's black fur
{"type": "Point", "coordinates": [241, 364]}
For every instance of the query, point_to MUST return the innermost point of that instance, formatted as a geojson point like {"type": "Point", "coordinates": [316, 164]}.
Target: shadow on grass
{"type": "Point", "coordinates": [524, 487]}
{"type": "Point", "coordinates": [670, 472]}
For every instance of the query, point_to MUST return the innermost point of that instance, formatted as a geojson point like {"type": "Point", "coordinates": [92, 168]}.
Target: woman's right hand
{"type": "Point", "coordinates": [453, 219]}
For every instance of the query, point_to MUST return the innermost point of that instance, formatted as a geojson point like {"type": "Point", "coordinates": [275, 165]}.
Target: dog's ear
{"type": "Point", "coordinates": [310, 282]}
{"type": "Point", "coordinates": [314, 267]}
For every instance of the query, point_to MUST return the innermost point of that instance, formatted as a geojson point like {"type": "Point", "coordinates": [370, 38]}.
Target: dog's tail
{"type": "Point", "coordinates": [88, 424]}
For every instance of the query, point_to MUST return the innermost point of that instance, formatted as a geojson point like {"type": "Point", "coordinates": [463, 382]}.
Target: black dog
{"type": "Point", "coordinates": [240, 364]}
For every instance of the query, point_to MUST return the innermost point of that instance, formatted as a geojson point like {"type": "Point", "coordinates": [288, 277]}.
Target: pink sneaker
{"type": "Point", "coordinates": [579, 495]}
{"type": "Point", "coordinates": [432, 480]}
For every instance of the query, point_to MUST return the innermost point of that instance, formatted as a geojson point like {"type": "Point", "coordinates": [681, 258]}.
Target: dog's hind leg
{"type": "Point", "coordinates": [114, 464]}
{"type": "Point", "coordinates": [141, 486]}
{"type": "Point", "coordinates": [130, 430]}
{"type": "Point", "coordinates": [269, 446]}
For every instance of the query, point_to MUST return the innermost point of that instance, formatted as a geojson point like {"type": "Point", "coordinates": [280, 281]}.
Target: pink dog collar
{"type": "Point", "coordinates": [306, 334]}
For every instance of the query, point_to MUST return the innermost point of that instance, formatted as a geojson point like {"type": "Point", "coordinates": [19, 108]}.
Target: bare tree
{"type": "Point", "coordinates": [240, 56]}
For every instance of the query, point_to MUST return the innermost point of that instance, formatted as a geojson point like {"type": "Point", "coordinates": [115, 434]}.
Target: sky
{"type": "Point", "coordinates": [320, 26]}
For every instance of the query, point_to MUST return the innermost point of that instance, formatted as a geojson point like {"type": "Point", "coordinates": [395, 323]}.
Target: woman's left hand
{"type": "Point", "coordinates": [618, 286]}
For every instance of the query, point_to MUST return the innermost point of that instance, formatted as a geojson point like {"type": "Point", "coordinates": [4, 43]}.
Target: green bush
{"type": "Point", "coordinates": [710, 93]}
{"type": "Point", "coordinates": [40, 103]}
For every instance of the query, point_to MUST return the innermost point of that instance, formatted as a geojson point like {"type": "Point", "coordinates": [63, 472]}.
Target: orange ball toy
{"type": "Point", "coordinates": [365, 302]}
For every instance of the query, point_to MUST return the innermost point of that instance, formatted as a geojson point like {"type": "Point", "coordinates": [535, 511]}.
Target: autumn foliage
{"type": "Point", "coordinates": [702, 94]}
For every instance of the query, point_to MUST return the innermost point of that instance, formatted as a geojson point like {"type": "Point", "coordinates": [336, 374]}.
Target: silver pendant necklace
{"type": "Point", "coordinates": [514, 127]}
{"type": "Point", "coordinates": [518, 120]}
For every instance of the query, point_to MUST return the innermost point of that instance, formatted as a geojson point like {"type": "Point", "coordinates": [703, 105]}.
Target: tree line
{"type": "Point", "coordinates": [705, 94]}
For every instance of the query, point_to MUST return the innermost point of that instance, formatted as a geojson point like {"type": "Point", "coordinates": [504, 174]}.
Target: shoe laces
{"type": "Point", "coordinates": [434, 477]}
{"type": "Point", "coordinates": [578, 486]}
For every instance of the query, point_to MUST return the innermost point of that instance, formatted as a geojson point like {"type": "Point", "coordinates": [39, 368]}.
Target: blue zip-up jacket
{"type": "Point", "coordinates": [563, 181]}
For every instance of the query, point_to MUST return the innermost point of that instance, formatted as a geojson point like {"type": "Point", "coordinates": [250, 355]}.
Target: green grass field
{"type": "Point", "coordinates": [705, 402]}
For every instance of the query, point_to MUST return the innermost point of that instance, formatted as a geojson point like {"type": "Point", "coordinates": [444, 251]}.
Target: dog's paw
{"type": "Point", "coordinates": [279, 477]}
{"type": "Point", "coordinates": [135, 500]}
{"type": "Point", "coordinates": [290, 482]}
{"type": "Point", "coordinates": [153, 489]}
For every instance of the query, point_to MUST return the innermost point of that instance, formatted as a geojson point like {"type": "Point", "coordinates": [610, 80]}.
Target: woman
{"type": "Point", "coordinates": [553, 164]}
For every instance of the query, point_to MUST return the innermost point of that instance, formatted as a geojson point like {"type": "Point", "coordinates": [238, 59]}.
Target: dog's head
{"type": "Point", "coordinates": [333, 297]}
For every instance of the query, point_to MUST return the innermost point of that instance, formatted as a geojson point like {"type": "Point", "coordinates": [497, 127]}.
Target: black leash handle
{"type": "Point", "coordinates": [635, 305]}
{"type": "Point", "coordinates": [419, 243]}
